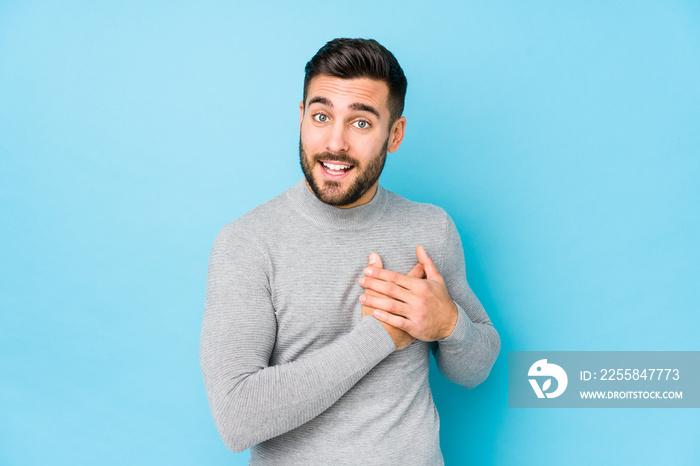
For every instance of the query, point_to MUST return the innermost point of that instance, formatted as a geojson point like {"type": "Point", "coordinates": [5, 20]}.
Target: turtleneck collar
{"type": "Point", "coordinates": [354, 218]}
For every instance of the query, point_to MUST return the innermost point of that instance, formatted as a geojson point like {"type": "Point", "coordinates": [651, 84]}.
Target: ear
{"type": "Point", "coordinates": [396, 134]}
{"type": "Point", "coordinates": [301, 114]}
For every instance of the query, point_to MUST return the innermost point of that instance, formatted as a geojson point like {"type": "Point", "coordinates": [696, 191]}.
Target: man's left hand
{"type": "Point", "coordinates": [421, 307]}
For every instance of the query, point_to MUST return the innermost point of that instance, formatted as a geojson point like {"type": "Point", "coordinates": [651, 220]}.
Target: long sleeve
{"type": "Point", "coordinates": [467, 355]}
{"type": "Point", "coordinates": [250, 400]}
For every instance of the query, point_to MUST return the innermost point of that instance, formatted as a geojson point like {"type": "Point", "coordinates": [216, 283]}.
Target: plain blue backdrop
{"type": "Point", "coordinates": [562, 137]}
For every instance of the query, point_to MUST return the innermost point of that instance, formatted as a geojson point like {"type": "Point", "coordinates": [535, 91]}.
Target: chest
{"type": "Point", "coordinates": [315, 289]}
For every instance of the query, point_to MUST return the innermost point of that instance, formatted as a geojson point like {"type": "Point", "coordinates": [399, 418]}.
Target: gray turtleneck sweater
{"type": "Point", "coordinates": [291, 368]}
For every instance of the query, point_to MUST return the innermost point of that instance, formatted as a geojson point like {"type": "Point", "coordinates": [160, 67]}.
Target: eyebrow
{"type": "Point", "coordinates": [356, 106]}
{"type": "Point", "coordinates": [364, 108]}
{"type": "Point", "coordinates": [321, 100]}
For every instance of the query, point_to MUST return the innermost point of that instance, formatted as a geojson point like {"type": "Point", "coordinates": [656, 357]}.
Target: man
{"type": "Point", "coordinates": [323, 304]}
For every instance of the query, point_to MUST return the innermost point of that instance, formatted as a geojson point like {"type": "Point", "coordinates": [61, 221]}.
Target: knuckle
{"type": "Point", "coordinates": [392, 306]}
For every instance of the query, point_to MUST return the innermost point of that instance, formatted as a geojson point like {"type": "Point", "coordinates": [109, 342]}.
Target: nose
{"type": "Point", "coordinates": [337, 140]}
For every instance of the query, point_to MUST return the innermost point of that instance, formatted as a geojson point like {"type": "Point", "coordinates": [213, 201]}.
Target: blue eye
{"type": "Point", "coordinates": [362, 124]}
{"type": "Point", "coordinates": [320, 117]}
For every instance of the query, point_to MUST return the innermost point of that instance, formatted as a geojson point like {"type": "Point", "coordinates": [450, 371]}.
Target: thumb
{"type": "Point", "coordinates": [431, 272]}
{"type": "Point", "coordinates": [375, 260]}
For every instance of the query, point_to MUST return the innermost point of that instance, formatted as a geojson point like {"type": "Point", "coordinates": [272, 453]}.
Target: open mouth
{"type": "Point", "coordinates": [335, 170]}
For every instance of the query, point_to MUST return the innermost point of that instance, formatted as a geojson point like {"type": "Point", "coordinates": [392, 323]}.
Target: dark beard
{"type": "Point", "coordinates": [331, 193]}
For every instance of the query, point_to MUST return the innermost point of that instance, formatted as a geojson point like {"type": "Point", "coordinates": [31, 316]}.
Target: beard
{"type": "Point", "coordinates": [331, 192]}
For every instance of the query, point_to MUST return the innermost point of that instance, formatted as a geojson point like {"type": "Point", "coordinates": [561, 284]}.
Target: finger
{"type": "Point", "coordinates": [391, 277]}
{"type": "Point", "coordinates": [417, 272]}
{"type": "Point", "coordinates": [393, 320]}
{"type": "Point", "coordinates": [431, 272]}
{"type": "Point", "coordinates": [367, 311]}
{"type": "Point", "coordinates": [385, 288]}
{"type": "Point", "coordinates": [375, 261]}
{"type": "Point", "coordinates": [385, 304]}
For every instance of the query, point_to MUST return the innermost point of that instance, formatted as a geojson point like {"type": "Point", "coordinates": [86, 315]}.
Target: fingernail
{"type": "Point", "coordinates": [363, 298]}
{"type": "Point", "coordinates": [362, 281]}
{"type": "Point", "coordinates": [372, 258]}
{"type": "Point", "coordinates": [368, 271]}
{"type": "Point", "coordinates": [378, 313]}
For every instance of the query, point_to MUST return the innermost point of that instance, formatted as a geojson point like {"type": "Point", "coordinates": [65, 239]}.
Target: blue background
{"type": "Point", "coordinates": [562, 137]}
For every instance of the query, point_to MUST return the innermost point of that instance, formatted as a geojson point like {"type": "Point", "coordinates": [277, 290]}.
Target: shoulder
{"type": "Point", "coordinates": [426, 224]}
{"type": "Point", "coordinates": [421, 212]}
{"type": "Point", "coordinates": [258, 220]}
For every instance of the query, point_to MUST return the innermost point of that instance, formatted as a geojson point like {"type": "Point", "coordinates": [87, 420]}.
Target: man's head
{"type": "Point", "coordinates": [350, 117]}
{"type": "Point", "coordinates": [360, 58]}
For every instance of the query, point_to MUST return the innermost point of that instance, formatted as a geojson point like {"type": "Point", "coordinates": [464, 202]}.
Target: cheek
{"type": "Point", "coordinates": [368, 147]}
{"type": "Point", "coordinates": [311, 138]}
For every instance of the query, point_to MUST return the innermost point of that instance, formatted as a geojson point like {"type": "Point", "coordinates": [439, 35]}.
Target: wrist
{"type": "Point", "coordinates": [452, 322]}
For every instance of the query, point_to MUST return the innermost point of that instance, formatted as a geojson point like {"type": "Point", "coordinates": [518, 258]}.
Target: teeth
{"type": "Point", "coordinates": [336, 167]}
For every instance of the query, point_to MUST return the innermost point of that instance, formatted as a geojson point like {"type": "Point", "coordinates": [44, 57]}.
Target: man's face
{"type": "Point", "coordinates": [345, 133]}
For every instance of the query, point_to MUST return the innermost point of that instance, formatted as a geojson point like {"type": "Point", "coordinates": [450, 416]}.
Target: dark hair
{"type": "Point", "coordinates": [360, 58]}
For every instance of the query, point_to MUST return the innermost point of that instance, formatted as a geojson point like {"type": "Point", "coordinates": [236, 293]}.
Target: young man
{"type": "Point", "coordinates": [323, 304]}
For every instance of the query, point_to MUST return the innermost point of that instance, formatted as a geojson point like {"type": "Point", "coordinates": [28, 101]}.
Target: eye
{"type": "Point", "coordinates": [362, 124]}
{"type": "Point", "coordinates": [320, 117]}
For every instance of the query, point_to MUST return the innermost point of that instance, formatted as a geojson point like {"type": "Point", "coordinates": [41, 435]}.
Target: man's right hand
{"type": "Point", "coordinates": [401, 338]}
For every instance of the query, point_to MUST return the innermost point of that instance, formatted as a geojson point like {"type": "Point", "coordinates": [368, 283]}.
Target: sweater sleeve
{"type": "Point", "coordinates": [467, 355]}
{"type": "Point", "coordinates": [250, 400]}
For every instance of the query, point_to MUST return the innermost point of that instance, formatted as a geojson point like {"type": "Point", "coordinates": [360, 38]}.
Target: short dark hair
{"type": "Point", "coordinates": [360, 58]}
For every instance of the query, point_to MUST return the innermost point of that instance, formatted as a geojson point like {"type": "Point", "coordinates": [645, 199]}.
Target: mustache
{"type": "Point", "coordinates": [331, 157]}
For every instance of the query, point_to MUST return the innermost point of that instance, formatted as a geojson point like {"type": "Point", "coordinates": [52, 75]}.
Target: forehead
{"type": "Point", "coordinates": [345, 92]}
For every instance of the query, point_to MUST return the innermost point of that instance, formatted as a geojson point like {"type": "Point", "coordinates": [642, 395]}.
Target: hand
{"type": "Point", "coordinates": [420, 307]}
{"type": "Point", "coordinates": [401, 338]}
